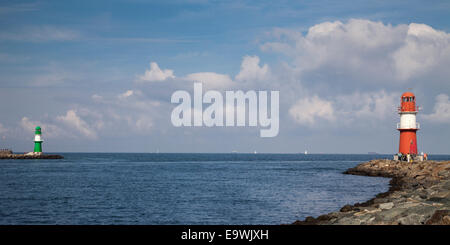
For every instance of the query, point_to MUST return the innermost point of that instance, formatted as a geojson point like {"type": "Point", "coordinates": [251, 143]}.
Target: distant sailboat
{"type": "Point", "coordinates": [256, 152]}
{"type": "Point", "coordinates": [306, 152]}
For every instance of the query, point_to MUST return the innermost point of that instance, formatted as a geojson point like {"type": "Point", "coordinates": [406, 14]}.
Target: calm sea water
{"type": "Point", "coordinates": [129, 188]}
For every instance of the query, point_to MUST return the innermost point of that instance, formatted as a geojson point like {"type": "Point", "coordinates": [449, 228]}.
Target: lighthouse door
{"type": "Point", "coordinates": [412, 148]}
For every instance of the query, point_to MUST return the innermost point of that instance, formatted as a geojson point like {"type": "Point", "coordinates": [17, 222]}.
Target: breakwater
{"type": "Point", "coordinates": [8, 154]}
{"type": "Point", "coordinates": [419, 193]}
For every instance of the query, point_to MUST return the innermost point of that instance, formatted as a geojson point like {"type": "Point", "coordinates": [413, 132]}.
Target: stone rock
{"type": "Point", "coordinates": [346, 208]}
{"type": "Point", "coordinates": [408, 204]}
{"type": "Point", "coordinates": [388, 205]}
{"type": "Point", "coordinates": [446, 220]}
{"type": "Point", "coordinates": [440, 217]}
{"type": "Point", "coordinates": [419, 193]}
{"type": "Point", "coordinates": [349, 221]}
{"type": "Point", "coordinates": [412, 219]}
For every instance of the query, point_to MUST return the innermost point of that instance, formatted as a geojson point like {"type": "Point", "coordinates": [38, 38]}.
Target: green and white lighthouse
{"type": "Point", "coordinates": [37, 140]}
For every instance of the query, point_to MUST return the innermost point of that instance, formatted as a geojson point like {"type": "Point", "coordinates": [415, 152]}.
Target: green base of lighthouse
{"type": "Point", "coordinates": [38, 146]}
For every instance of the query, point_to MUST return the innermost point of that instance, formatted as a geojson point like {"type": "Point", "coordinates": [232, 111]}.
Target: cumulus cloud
{"type": "Point", "coordinates": [307, 110]}
{"type": "Point", "coordinates": [74, 122]}
{"type": "Point", "coordinates": [367, 105]}
{"type": "Point", "coordinates": [441, 110]}
{"type": "Point", "coordinates": [424, 49]}
{"type": "Point", "coordinates": [155, 74]}
{"type": "Point", "coordinates": [51, 130]}
{"type": "Point", "coordinates": [251, 71]}
{"type": "Point", "coordinates": [211, 80]}
{"type": "Point", "coordinates": [364, 107]}
{"type": "Point", "coordinates": [363, 51]}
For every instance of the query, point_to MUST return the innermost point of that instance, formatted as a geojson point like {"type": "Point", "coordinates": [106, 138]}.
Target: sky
{"type": "Point", "coordinates": [98, 76]}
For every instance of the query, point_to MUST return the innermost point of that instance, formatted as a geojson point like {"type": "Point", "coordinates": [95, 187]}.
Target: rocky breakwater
{"type": "Point", "coordinates": [8, 154]}
{"type": "Point", "coordinates": [419, 194]}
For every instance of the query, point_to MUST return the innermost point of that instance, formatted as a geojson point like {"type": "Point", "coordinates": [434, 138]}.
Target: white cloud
{"type": "Point", "coordinates": [367, 108]}
{"type": "Point", "coordinates": [126, 94]}
{"type": "Point", "coordinates": [305, 111]}
{"type": "Point", "coordinates": [424, 49]}
{"type": "Point", "coordinates": [74, 122]}
{"type": "Point", "coordinates": [250, 69]}
{"type": "Point", "coordinates": [49, 130]}
{"type": "Point", "coordinates": [211, 80]}
{"type": "Point", "coordinates": [363, 51]}
{"type": "Point", "coordinates": [155, 74]}
{"type": "Point", "coordinates": [441, 110]}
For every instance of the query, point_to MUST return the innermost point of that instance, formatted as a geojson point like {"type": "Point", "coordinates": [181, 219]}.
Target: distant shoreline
{"type": "Point", "coordinates": [419, 193]}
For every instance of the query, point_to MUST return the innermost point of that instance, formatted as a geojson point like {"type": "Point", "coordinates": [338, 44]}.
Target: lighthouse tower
{"type": "Point", "coordinates": [37, 141]}
{"type": "Point", "coordinates": [408, 125]}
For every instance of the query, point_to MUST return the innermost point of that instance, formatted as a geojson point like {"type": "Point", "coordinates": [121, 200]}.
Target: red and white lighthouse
{"type": "Point", "coordinates": [408, 125]}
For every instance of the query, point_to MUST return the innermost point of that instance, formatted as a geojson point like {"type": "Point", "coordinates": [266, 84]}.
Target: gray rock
{"type": "Point", "coordinates": [426, 210]}
{"type": "Point", "coordinates": [388, 205]}
{"type": "Point", "coordinates": [349, 221]}
{"type": "Point", "coordinates": [408, 204]}
{"type": "Point", "coordinates": [412, 219]}
{"type": "Point", "coordinates": [380, 200]}
{"type": "Point", "coordinates": [391, 214]}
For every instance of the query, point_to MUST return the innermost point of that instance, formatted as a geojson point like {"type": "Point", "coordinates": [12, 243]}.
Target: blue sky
{"type": "Point", "coordinates": [339, 66]}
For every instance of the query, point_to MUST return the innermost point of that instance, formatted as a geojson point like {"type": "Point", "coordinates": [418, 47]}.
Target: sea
{"type": "Point", "coordinates": [186, 189]}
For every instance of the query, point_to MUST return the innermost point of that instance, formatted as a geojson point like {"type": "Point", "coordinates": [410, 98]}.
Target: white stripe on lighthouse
{"type": "Point", "coordinates": [407, 120]}
{"type": "Point", "coordinates": [37, 137]}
